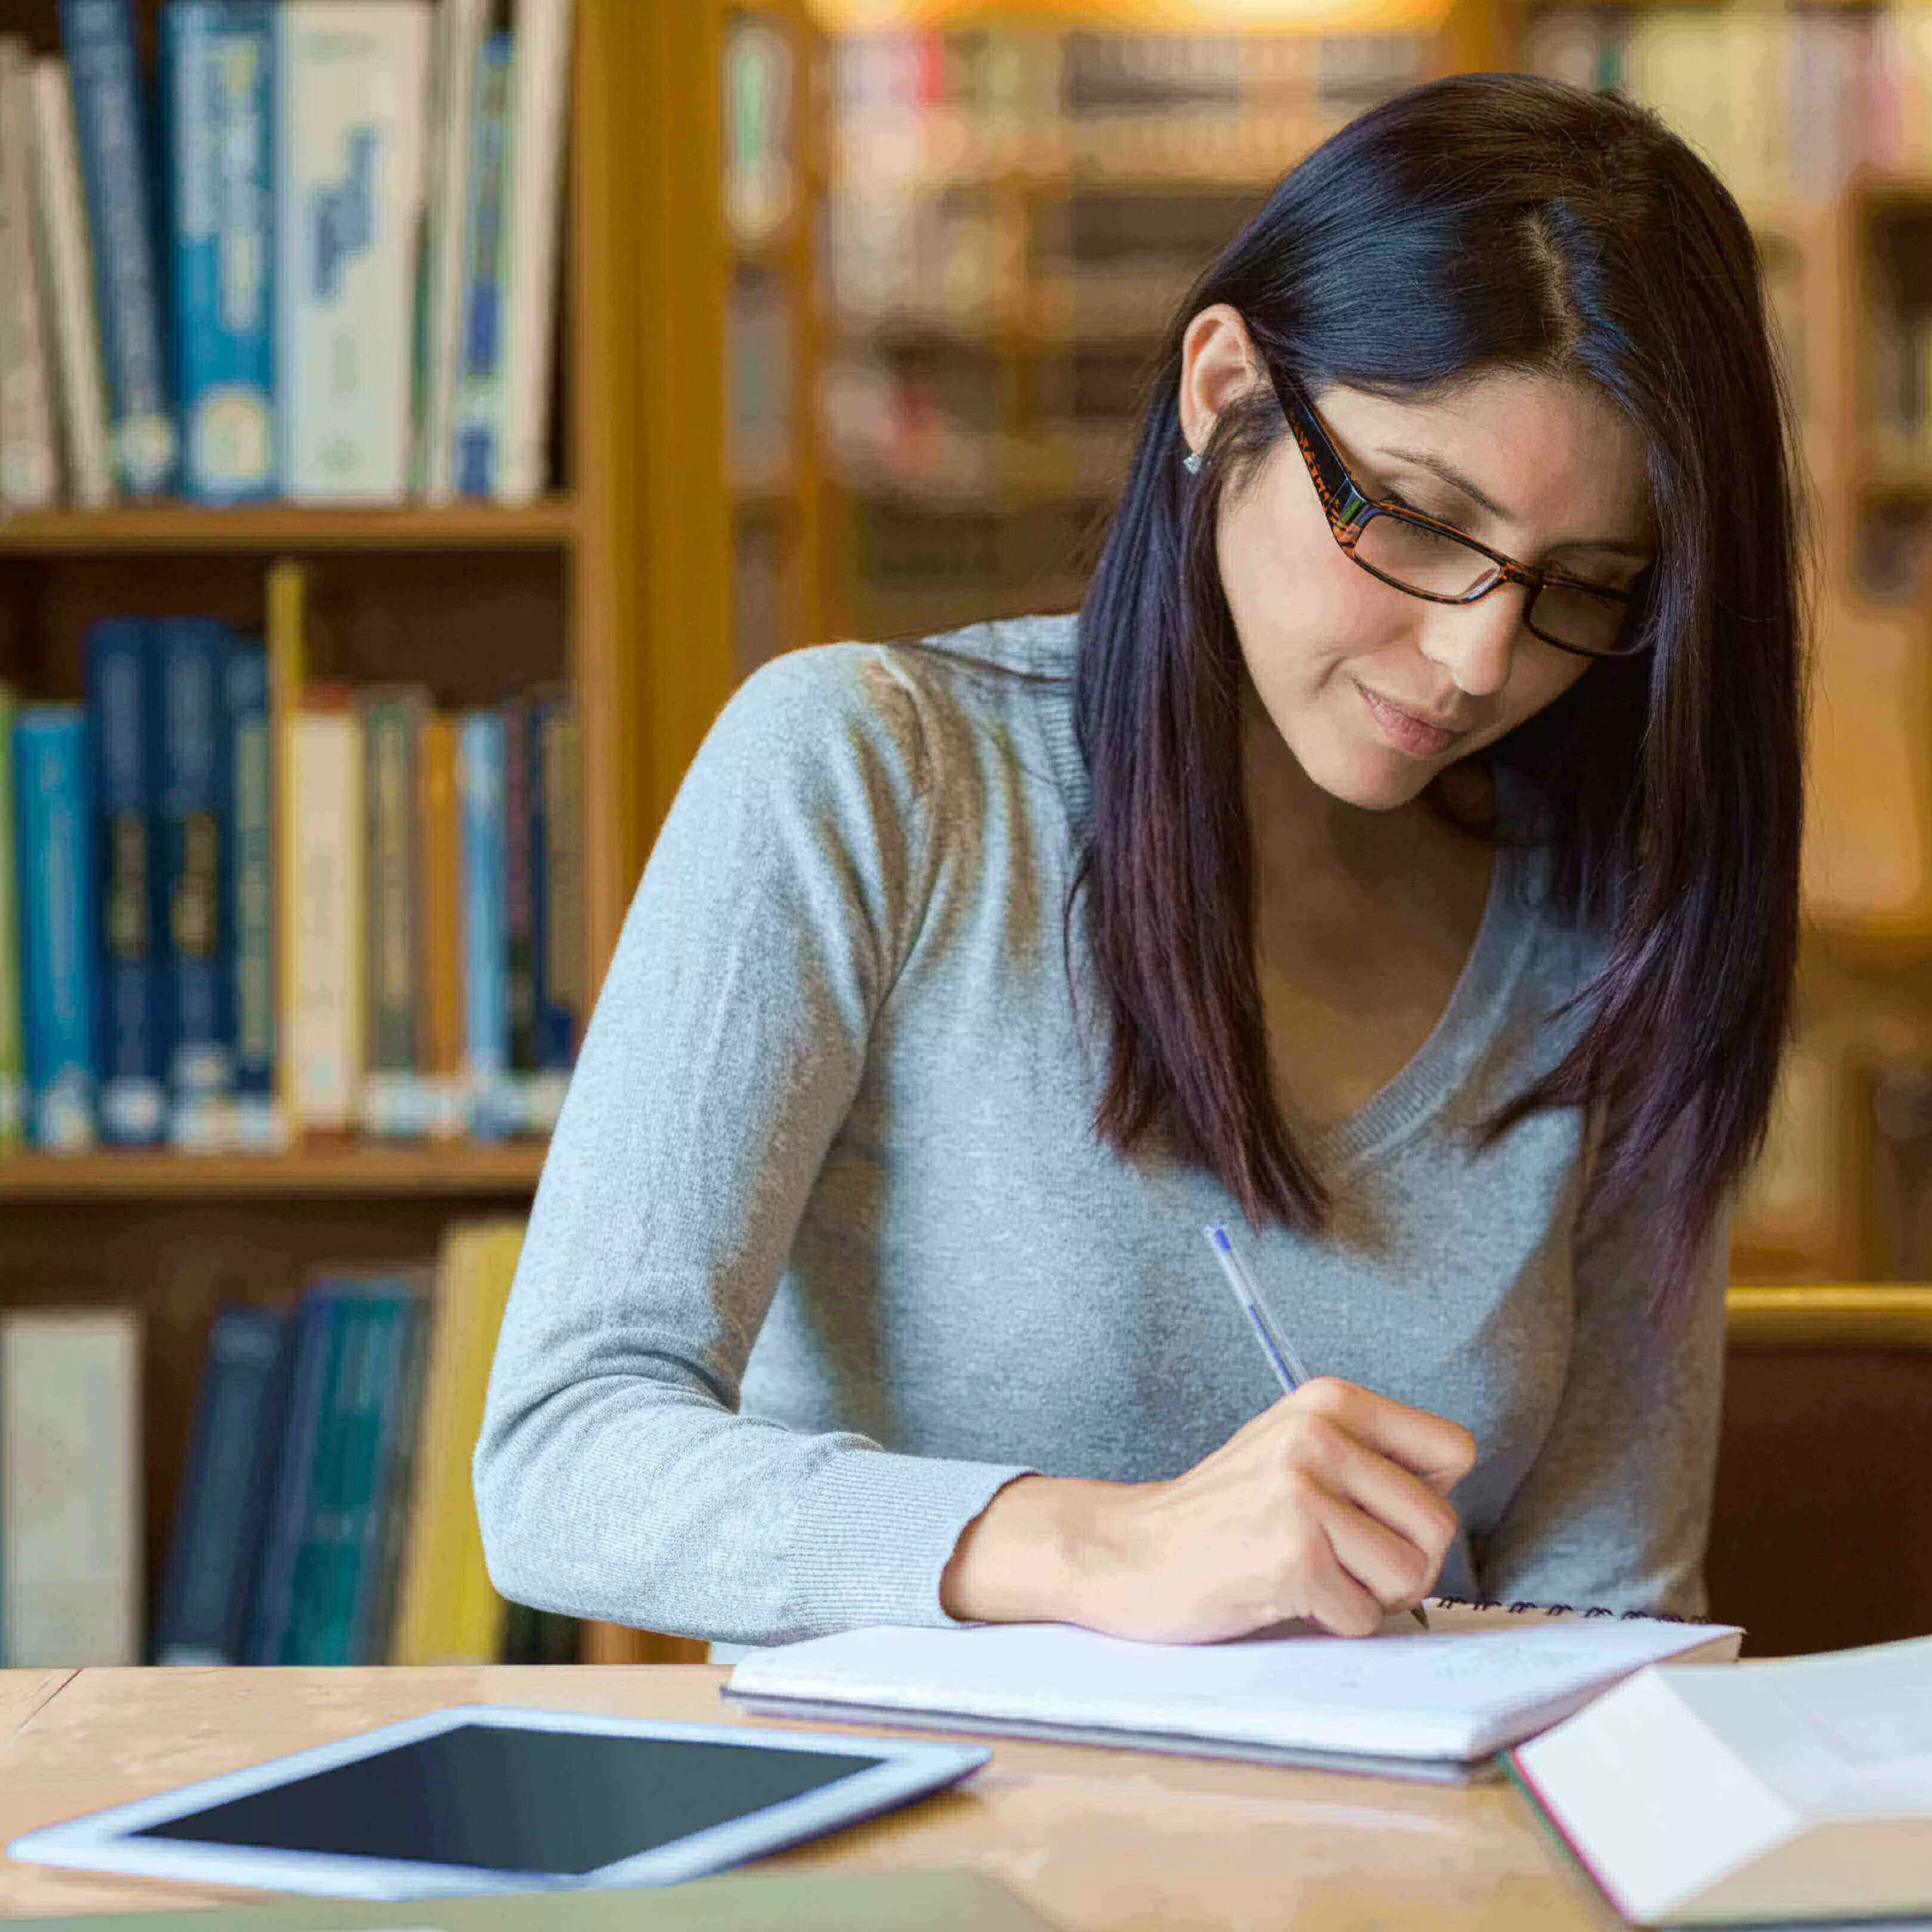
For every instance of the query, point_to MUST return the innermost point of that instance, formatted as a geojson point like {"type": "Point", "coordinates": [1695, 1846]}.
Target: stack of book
{"type": "Point", "coordinates": [237, 908]}
{"type": "Point", "coordinates": [341, 287]}
{"type": "Point", "coordinates": [325, 1515]}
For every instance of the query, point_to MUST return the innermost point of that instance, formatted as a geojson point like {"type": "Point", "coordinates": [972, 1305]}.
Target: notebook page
{"type": "Point", "coordinates": [1478, 1680]}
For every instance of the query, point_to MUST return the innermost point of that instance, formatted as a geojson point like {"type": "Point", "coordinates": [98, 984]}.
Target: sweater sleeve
{"type": "Point", "coordinates": [614, 1477]}
{"type": "Point", "coordinates": [1615, 1510]}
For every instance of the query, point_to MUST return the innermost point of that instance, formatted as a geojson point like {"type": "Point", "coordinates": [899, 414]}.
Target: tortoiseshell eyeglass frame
{"type": "Point", "coordinates": [1350, 510]}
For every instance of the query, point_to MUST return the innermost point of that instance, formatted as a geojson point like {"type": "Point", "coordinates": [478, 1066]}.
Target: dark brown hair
{"type": "Point", "coordinates": [1482, 223]}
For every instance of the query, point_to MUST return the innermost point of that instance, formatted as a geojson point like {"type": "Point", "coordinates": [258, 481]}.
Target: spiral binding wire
{"type": "Point", "coordinates": [1557, 1609]}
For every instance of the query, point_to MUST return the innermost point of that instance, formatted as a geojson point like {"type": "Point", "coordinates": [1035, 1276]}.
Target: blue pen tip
{"type": "Point", "coordinates": [1218, 1232]}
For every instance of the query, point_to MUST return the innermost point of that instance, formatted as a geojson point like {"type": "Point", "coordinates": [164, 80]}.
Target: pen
{"type": "Point", "coordinates": [1276, 1346]}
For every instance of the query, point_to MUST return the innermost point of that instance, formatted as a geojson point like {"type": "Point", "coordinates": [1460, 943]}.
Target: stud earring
{"type": "Point", "coordinates": [1191, 462]}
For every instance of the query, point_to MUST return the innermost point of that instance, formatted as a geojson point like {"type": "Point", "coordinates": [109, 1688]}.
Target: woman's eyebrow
{"type": "Point", "coordinates": [1454, 478]}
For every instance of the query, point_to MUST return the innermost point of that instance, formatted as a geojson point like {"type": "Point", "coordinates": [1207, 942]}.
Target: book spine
{"type": "Point", "coordinates": [29, 457]}
{"type": "Point", "coordinates": [111, 123]}
{"type": "Point", "coordinates": [364, 1639]}
{"type": "Point", "coordinates": [70, 1487]}
{"type": "Point", "coordinates": [519, 885]}
{"type": "Point", "coordinates": [541, 73]}
{"type": "Point", "coordinates": [217, 59]}
{"type": "Point", "coordinates": [13, 1064]}
{"type": "Point", "coordinates": [485, 936]}
{"type": "Point", "coordinates": [392, 1099]}
{"type": "Point", "coordinates": [350, 77]}
{"type": "Point", "coordinates": [336, 1533]}
{"type": "Point", "coordinates": [66, 253]}
{"type": "Point", "coordinates": [191, 753]}
{"type": "Point", "coordinates": [287, 596]}
{"type": "Point", "coordinates": [121, 670]}
{"type": "Point", "coordinates": [314, 1346]}
{"type": "Point", "coordinates": [539, 707]}
{"type": "Point", "coordinates": [459, 26]}
{"type": "Point", "coordinates": [442, 1022]}
{"type": "Point", "coordinates": [52, 815]}
{"type": "Point", "coordinates": [256, 1120]}
{"type": "Point", "coordinates": [448, 1611]}
{"type": "Point", "coordinates": [557, 864]}
{"type": "Point", "coordinates": [326, 1029]}
{"type": "Point", "coordinates": [477, 418]}
{"type": "Point", "coordinates": [217, 1507]}
{"type": "Point", "coordinates": [377, 1635]}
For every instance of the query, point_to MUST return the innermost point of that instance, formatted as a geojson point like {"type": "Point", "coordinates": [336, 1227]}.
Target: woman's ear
{"type": "Point", "coordinates": [1218, 362]}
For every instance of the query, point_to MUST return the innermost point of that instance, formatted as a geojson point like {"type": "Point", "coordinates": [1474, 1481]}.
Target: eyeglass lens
{"type": "Point", "coordinates": [1437, 565]}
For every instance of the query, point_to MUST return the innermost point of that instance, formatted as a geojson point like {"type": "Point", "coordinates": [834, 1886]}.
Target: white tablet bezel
{"type": "Point", "coordinates": [99, 1841]}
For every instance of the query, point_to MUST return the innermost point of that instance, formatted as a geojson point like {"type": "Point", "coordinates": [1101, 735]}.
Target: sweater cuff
{"type": "Point", "coordinates": [875, 1532]}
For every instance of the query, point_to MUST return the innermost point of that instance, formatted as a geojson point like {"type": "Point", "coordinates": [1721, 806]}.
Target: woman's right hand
{"type": "Point", "coordinates": [1332, 1506]}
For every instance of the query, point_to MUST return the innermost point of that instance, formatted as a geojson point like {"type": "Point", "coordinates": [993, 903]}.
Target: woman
{"type": "Point", "coordinates": [1396, 856]}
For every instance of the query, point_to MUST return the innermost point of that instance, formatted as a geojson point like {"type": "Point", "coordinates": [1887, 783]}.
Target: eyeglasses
{"type": "Point", "coordinates": [1435, 561]}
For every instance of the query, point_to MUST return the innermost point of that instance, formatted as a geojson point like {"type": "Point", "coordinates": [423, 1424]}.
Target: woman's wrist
{"type": "Point", "coordinates": [1029, 1556]}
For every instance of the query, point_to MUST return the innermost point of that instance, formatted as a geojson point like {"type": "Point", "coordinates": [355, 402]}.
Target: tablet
{"type": "Point", "coordinates": [490, 1797]}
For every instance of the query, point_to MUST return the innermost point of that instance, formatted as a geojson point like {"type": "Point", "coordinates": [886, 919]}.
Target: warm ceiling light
{"type": "Point", "coordinates": [1175, 16]}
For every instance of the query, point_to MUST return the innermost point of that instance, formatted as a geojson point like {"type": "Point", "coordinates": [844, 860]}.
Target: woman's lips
{"type": "Point", "coordinates": [1406, 732]}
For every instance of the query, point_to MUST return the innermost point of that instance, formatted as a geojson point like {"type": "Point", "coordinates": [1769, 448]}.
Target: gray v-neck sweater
{"type": "Point", "coordinates": [826, 1250]}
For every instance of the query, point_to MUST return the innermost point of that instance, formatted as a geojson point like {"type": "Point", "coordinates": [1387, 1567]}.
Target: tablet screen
{"type": "Point", "coordinates": [511, 1800]}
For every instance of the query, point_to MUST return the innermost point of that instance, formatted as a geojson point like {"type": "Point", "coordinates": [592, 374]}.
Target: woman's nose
{"type": "Point", "coordinates": [1475, 642]}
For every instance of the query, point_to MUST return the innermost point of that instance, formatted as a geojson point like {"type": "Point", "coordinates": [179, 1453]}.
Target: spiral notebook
{"type": "Point", "coordinates": [1405, 1703]}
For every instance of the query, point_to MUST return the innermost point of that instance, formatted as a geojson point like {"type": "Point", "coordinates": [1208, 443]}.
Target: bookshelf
{"type": "Point", "coordinates": [279, 529]}
{"type": "Point", "coordinates": [613, 584]}
{"type": "Point", "coordinates": [478, 1170]}
{"type": "Point", "coordinates": [664, 566]}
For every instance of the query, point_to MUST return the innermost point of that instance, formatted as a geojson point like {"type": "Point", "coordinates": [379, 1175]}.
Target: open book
{"type": "Point", "coordinates": [1433, 1705]}
{"type": "Point", "coordinates": [1797, 1788]}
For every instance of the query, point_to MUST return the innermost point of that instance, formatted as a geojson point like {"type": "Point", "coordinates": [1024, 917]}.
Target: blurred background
{"type": "Point", "coordinates": [994, 212]}
{"type": "Point", "coordinates": [415, 418]}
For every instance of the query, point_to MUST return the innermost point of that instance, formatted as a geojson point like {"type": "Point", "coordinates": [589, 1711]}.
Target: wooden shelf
{"type": "Point", "coordinates": [1213, 17]}
{"type": "Point", "coordinates": [476, 1169]}
{"type": "Point", "coordinates": [1880, 186]}
{"type": "Point", "coordinates": [549, 525]}
{"type": "Point", "coordinates": [1885, 1315]}
{"type": "Point", "coordinates": [1880, 474]}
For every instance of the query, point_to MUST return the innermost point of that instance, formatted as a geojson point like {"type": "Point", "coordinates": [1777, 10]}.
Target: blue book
{"type": "Point", "coordinates": [556, 871]}
{"type": "Point", "coordinates": [485, 924]}
{"type": "Point", "coordinates": [335, 1568]}
{"type": "Point", "coordinates": [372, 1604]}
{"type": "Point", "coordinates": [111, 125]}
{"type": "Point", "coordinates": [480, 369]}
{"type": "Point", "coordinates": [556, 1022]}
{"type": "Point", "coordinates": [52, 819]}
{"type": "Point", "coordinates": [217, 80]}
{"type": "Point", "coordinates": [316, 1347]}
{"type": "Point", "coordinates": [223, 1498]}
{"type": "Point", "coordinates": [251, 890]}
{"type": "Point", "coordinates": [519, 881]}
{"type": "Point", "coordinates": [120, 676]}
{"type": "Point", "coordinates": [190, 722]}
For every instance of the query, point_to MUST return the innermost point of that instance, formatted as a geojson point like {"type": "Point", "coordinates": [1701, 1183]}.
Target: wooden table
{"type": "Point", "coordinates": [1090, 1838]}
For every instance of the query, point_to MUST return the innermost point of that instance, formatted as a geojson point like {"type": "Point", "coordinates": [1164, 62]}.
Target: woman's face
{"type": "Point", "coordinates": [1373, 691]}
